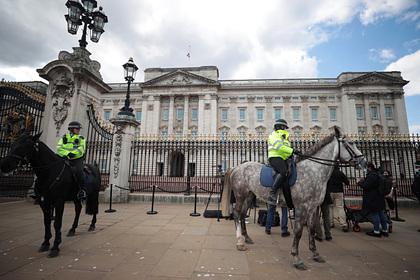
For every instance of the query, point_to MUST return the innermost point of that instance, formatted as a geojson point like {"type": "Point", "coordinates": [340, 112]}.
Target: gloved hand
{"type": "Point", "coordinates": [71, 155]}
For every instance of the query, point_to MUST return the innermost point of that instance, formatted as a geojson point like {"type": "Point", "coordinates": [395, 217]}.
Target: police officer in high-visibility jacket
{"type": "Point", "coordinates": [279, 150]}
{"type": "Point", "coordinates": [72, 146]}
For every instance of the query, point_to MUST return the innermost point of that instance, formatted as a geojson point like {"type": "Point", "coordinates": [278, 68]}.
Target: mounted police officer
{"type": "Point", "coordinates": [279, 151]}
{"type": "Point", "coordinates": [72, 146]}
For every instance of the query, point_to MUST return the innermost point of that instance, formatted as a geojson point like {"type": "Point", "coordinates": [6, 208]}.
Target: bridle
{"type": "Point", "coordinates": [341, 140]}
{"type": "Point", "coordinates": [26, 161]}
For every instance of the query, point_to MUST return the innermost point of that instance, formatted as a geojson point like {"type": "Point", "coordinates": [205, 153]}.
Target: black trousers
{"type": "Point", "coordinates": [77, 164]}
{"type": "Point", "coordinates": [279, 165]}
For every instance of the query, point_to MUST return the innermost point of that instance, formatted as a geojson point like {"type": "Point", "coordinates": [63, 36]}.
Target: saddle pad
{"type": "Point", "coordinates": [266, 176]}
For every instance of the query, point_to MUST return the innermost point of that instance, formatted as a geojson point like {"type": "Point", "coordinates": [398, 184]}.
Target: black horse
{"type": "Point", "coordinates": [55, 185]}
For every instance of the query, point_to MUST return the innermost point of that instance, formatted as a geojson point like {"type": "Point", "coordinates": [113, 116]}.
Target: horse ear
{"type": "Point", "coordinates": [36, 136]}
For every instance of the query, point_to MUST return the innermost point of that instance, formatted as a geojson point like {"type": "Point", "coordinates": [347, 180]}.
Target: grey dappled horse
{"type": "Point", "coordinates": [313, 171]}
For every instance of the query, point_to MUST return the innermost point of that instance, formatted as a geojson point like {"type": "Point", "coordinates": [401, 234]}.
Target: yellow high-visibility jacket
{"type": "Point", "coordinates": [279, 145]}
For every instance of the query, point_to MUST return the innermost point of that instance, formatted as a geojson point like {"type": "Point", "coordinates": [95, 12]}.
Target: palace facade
{"type": "Point", "coordinates": [193, 100]}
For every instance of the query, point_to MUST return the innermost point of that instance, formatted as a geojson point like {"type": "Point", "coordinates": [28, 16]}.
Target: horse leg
{"type": "Point", "coordinates": [244, 211]}
{"type": "Point", "coordinates": [92, 224]}
{"type": "Point", "coordinates": [59, 209]}
{"type": "Point", "coordinates": [311, 230]}
{"type": "Point", "coordinates": [46, 210]}
{"type": "Point", "coordinates": [77, 209]}
{"type": "Point", "coordinates": [297, 232]}
{"type": "Point", "coordinates": [240, 245]}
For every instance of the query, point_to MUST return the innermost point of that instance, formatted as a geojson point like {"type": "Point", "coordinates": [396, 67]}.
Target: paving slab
{"type": "Point", "coordinates": [129, 244]}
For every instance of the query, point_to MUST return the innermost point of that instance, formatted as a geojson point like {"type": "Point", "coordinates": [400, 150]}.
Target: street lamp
{"type": "Point", "coordinates": [130, 70]}
{"type": "Point", "coordinates": [79, 14]}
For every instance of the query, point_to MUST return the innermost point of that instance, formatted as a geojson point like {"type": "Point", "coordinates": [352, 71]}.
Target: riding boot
{"type": "Point", "coordinates": [274, 191]}
{"type": "Point", "coordinates": [288, 196]}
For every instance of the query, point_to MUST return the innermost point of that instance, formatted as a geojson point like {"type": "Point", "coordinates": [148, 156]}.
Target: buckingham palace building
{"type": "Point", "coordinates": [194, 101]}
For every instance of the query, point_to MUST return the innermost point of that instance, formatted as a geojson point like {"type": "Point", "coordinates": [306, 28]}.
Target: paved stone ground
{"type": "Point", "coordinates": [129, 244]}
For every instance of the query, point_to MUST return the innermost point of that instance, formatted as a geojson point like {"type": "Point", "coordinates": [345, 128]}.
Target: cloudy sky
{"type": "Point", "coordinates": [243, 38]}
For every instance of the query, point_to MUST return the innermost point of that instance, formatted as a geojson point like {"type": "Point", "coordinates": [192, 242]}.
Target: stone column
{"type": "Point", "coordinates": [74, 83]}
{"type": "Point", "coordinates": [382, 116]}
{"type": "Point", "coordinates": [400, 113]}
{"type": "Point", "coordinates": [171, 115]}
{"type": "Point", "coordinates": [186, 114]}
{"type": "Point", "coordinates": [120, 160]}
{"type": "Point", "coordinates": [201, 114]}
{"type": "Point", "coordinates": [349, 117]}
{"type": "Point", "coordinates": [213, 115]}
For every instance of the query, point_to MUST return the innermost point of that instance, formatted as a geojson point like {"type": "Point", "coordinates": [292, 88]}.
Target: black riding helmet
{"type": "Point", "coordinates": [280, 124]}
{"type": "Point", "coordinates": [74, 124]}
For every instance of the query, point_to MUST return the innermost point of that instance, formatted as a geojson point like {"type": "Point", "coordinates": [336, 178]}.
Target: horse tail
{"type": "Point", "coordinates": [226, 194]}
{"type": "Point", "coordinates": [92, 200]}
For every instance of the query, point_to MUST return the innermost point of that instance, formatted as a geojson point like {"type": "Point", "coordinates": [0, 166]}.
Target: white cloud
{"type": "Point", "coordinates": [414, 129]}
{"type": "Point", "coordinates": [244, 38]}
{"type": "Point", "coordinates": [409, 66]}
{"type": "Point", "coordinates": [21, 73]}
{"type": "Point", "coordinates": [376, 9]}
{"type": "Point", "coordinates": [381, 55]}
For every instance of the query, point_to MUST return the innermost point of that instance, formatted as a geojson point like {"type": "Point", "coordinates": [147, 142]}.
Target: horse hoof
{"type": "Point", "coordinates": [91, 228]}
{"type": "Point", "coordinates": [300, 266]}
{"type": "Point", "coordinates": [53, 253]}
{"type": "Point", "coordinates": [71, 232]}
{"type": "Point", "coordinates": [241, 247]}
{"type": "Point", "coordinates": [319, 259]}
{"type": "Point", "coordinates": [44, 248]}
{"type": "Point", "coordinates": [249, 241]}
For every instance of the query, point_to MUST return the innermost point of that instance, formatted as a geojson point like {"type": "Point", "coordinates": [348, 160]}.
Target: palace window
{"type": "Point", "coordinates": [179, 114]}
{"type": "Point", "coordinates": [360, 112]}
{"type": "Point", "coordinates": [389, 112]}
{"type": "Point", "coordinates": [333, 114]}
{"type": "Point", "coordinates": [314, 114]}
{"type": "Point", "coordinates": [138, 116]}
{"type": "Point", "coordinates": [260, 114]}
{"type": "Point", "coordinates": [361, 130]}
{"type": "Point", "coordinates": [296, 113]}
{"type": "Point", "coordinates": [194, 114]}
{"type": "Point", "coordinates": [165, 114]}
{"type": "Point", "coordinates": [374, 114]}
{"type": "Point", "coordinates": [107, 115]}
{"type": "Point", "coordinates": [224, 114]}
{"type": "Point", "coordinates": [242, 114]}
{"type": "Point", "coordinates": [278, 113]}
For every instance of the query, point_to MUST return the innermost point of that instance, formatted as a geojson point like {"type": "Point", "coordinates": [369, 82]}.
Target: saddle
{"type": "Point", "coordinates": [268, 174]}
{"type": "Point", "coordinates": [88, 177]}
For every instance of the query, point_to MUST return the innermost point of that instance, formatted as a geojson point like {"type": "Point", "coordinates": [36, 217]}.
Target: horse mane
{"type": "Point", "coordinates": [315, 148]}
{"type": "Point", "coordinates": [51, 153]}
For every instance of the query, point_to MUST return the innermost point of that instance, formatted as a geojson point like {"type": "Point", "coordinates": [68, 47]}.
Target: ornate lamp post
{"type": "Point", "coordinates": [130, 70]}
{"type": "Point", "coordinates": [79, 14]}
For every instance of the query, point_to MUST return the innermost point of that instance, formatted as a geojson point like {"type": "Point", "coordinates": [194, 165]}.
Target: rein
{"type": "Point", "coordinates": [331, 162]}
{"type": "Point", "coordinates": [25, 159]}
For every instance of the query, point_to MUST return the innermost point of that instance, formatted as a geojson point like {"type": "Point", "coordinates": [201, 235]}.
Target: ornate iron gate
{"type": "Point", "coordinates": [99, 145]}
{"type": "Point", "coordinates": [21, 109]}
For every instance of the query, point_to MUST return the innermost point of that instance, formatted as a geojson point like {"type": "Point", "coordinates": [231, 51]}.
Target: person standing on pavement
{"type": "Point", "coordinates": [335, 186]}
{"type": "Point", "coordinates": [283, 220]}
{"type": "Point", "coordinates": [325, 213]}
{"type": "Point", "coordinates": [374, 202]}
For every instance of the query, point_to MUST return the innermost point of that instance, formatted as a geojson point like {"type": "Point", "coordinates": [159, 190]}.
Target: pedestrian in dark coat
{"type": "Point", "coordinates": [324, 208]}
{"type": "Point", "coordinates": [374, 202]}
